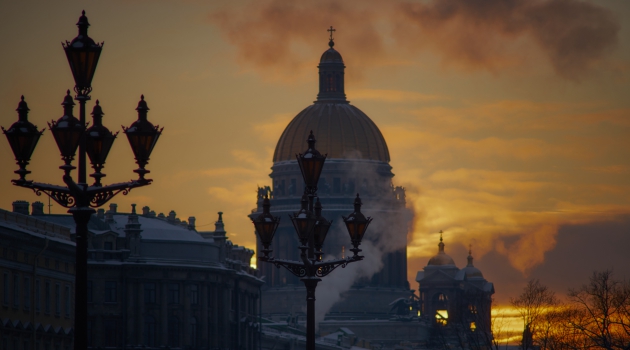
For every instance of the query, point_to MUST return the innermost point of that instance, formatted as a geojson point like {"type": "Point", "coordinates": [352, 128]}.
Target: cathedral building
{"type": "Point", "coordinates": [358, 162]}
{"type": "Point", "coordinates": [457, 302]}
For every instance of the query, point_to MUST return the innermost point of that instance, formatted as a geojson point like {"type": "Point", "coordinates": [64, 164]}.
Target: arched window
{"type": "Point", "coordinates": [173, 332]}
{"type": "Point", "coordinates": [149, 331]}
{"type": "Point", "coordinates": [337, 82]}
{"type": "Point", "coordinates": [330, 86]}
{"type": "Point", "coordinates": [442, 297]}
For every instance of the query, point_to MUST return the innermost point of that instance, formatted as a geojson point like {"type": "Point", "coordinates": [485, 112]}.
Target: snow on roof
{"type": "Point", "coordinates": [157, 229]}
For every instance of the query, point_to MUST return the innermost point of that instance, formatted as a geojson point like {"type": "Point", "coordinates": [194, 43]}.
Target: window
{"type": "Point", "coordinates": [56, 264]}
{"type": "Point", "coordinates": [108, 246]}
{"type": "Point", "coordinates": [57, 299]}
{"type": "Point", "coordinates": [173, 332]}
{"type": "Point", "coordinates": [149, 331]}
{"type": "Point", "coordinates": [173, 293]}
{"type": "Point", "coordinates": [27, 293]}
{"type": "Point", "coordinates": [111, 333]}
{"type": "Point", "coordinates": [110, 291]}
{"type": "Point", "coordinates": [16, 290]}
{"type": "Point", "coordinates": [89, 292]}
{"type": "Point", "coordinates": [37, 296]}
{"type": "Point", "coordinates": [46, 262]}
{"type": "Point", "coordinates": [336, 185]}
{"type": "Point", "coordinates": [293, 187]}
{"type": "Point", "coordinates": [193, 332]}
{"type": "Point", "coordinates": [67, 301]}
{"type": "Point", "coordinates": [149, 293]}
{"type": "Point", "coordinates": [47, 298]}
{"type": "Point", "coordinates": [194, 294]}
{"type": "Point", "coordinates": [5, 289]}
{"type": "Point", "coordinates": [26, 257]}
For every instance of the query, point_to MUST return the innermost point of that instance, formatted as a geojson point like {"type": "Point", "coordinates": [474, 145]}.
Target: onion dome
{"type": "Point", "coordinates": [343, 131]}
{"type": "Point", "coordinates": [441, 258]}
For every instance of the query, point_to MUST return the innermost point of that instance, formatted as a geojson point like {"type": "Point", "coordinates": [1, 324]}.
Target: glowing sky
{"type": "Point", "coordinates": [507, 121]}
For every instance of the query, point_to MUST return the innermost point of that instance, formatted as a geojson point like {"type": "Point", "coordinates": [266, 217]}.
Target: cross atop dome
{"type": "Point", "coordinates": [331, 42]}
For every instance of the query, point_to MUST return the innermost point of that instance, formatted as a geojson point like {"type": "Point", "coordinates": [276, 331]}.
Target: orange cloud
{"type": "Point", "coordinates": [278, 38]}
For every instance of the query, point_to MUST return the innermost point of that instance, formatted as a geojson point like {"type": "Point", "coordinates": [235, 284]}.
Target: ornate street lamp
{"type": "Point", "coordinates": [311, 228]}
{"type": "Point", "coordinates": [266, 225]}
{"type": "Point", "coordinates": [23, 137]}
{"type": "Point", "coordinates": [70, 134]}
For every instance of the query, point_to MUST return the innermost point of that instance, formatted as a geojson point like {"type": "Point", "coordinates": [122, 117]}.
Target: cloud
{"type": "Point", "coordinates": [492, 34]}
{"type": "Point", "coordinates": [506, 175]}
{"type": "Point", "coordinates": [393, 96]}
{"type": "Point", "coordinates": [280, 39]}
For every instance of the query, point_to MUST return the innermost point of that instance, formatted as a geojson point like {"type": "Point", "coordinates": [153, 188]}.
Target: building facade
{"type": "Point", "coordinates": [357, 162]}
{"type": "Point", "coordinates": [154, 281]}
{"type": "Point", "coordinates": [37, 271]}
{"type": "Point", "coordinates": [457, 302]}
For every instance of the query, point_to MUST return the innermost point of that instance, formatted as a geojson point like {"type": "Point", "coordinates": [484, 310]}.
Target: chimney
{"type": "Point", "coordinates": [109, 217]}
{"type": "Point", "coordinates": [191, 223]}
{"type": "Point", "coordinates": [20, 207]}
{"type": "Point", "coordinates": [100, 213]}
{"type": "Point", "coordinates": [171, 217]}
{"type": "Point", "coordinates": [161, 216]}
{"type": "Point", "coordinates": [113, 207]}
{"type": "Point", "coordinates": [132, 233]}
{"type": "Point", "coordinates": [37, 208]}
{"type": "Point", "coordinates": [146, 211]}
{"type": "Point", "coordinates": [218, 226]}
{"type": "Point", "coordinates": [152, 214]}
{"type": "Point", "coordinates": [220, 238]}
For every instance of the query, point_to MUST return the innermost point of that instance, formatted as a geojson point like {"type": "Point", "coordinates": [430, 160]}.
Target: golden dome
{"type": "Point", "coordinates": [341, 130]}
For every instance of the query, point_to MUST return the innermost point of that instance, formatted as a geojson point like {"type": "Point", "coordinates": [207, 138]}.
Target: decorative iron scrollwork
{"type": "Point", "coordinates": [297, 270]}
{"type": "Point", "coordinates": [324, 270]}
{"type": "Point", "coordinates": [64, 199]}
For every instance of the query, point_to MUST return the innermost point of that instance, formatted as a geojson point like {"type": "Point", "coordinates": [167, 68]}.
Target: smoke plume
{"type": "Point", "coordinates": [280, 39]}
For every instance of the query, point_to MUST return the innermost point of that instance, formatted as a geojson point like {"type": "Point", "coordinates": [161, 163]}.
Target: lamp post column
{"type": "Point", "coordinates": [81, 218]}
{"type": "Point", "coordinates": [310, 283]}
{"type": "Point", "coordinates": [82, 98]}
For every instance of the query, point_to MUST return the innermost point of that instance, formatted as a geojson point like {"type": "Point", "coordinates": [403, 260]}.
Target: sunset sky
{"type": "Point", "coordinates": [508, 122]}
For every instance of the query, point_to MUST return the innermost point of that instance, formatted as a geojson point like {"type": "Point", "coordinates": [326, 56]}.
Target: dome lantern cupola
{"type": "Point", "coordinates": [331, 75]}
{"type": "Point", "coordinates": [441, 258]}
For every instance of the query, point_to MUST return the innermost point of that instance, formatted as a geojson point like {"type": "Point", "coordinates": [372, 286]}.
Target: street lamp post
{"type": "Point", "coordinates": [70, 133]}
{"type": "Point", "coordinates": [311, 228]}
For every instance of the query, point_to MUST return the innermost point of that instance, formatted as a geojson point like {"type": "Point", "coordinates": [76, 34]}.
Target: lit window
{"type": "Point", "coordinates": [473, 326]}
{"type": "Point", "coordinates": [441, 316]}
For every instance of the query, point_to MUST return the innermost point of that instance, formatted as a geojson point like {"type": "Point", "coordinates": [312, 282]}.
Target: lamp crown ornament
{"type": "Point", "coordinates": [22, 109]}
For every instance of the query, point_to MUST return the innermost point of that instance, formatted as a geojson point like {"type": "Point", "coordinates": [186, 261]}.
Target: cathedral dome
{"type": "Point", "coordinates": [441, 258]}
{"type": "Point", "coordinates": [470, 272]}
{"type": "Point", "coordinates": [342, 131]}
{"type": "Point", "coordinates": [331, 56]}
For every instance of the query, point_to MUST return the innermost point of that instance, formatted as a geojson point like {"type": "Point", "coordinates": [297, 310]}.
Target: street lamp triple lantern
{"type": "Point", "coordinates": [98, 139]}
{"type": "Point", "coordinates": [22, 137]}
{"type": "Point", "coordinates": [266, 224]}
{"type": "Point", "coordinates": [83, 54]}
{"type": "Point", "coordinates": [357, 223]}
{"type": "Point", "coordinates": [311, 164]}
{"type": "Point", "coordinates": [142, 136]}
{"type": "Point", "coordinates": [321, 226]}
{"type": "Point", "coordinates": [303, 221]}
{"type": "Point", "coordinates": [67, 130]}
